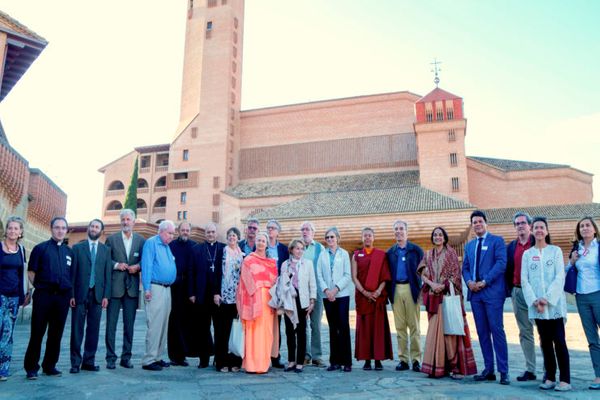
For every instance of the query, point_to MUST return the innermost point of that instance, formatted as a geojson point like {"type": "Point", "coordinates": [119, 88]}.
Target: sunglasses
{"type": "Point", "coordinates": [252, 228]}
{"type": "Point", "coordinates": [329, 237]}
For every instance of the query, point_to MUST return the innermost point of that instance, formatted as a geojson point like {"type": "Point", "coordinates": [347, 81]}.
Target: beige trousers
{"type": "Point", "coordinates": [157, 322]}
{"type": "Point", "coordinates": [406, 318]}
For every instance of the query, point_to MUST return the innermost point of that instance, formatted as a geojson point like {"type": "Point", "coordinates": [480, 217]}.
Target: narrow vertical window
{"type": "Point", "coordinates": [186, 155]}
{"type": "Point", "coordinates": [455, 185]}
{"type": "Point", "coordinates": [453, 159]}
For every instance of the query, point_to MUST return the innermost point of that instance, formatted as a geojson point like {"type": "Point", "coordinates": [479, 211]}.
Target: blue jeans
{"type": "Point", "coordinates": [9, 306]}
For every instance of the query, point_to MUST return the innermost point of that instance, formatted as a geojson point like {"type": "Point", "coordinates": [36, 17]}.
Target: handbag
{"type": "Point", "coordinates": [571, 275]}
{"type": "Point", "coordinates": [571, 280]}
{"type": "Point", "coordinates": [454, 323]}
{"type": "Point", "coordinates": [236, 338]}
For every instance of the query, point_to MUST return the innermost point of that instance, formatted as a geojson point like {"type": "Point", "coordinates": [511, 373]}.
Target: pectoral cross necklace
{"type": "Point", "coordinates": [211, 257]}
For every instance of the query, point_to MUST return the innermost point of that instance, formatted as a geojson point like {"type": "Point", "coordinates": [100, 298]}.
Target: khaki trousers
{"type": "Point", "coordinates": [525, 328]}
{"type": "Point", "coordinates": [406, 318]}
{"type": "Point", "coordinates": [157, 322]}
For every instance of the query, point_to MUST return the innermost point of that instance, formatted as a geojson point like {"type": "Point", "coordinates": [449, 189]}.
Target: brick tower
{"type": "Point", "coordinates": [202, 159]}
{"type": "Point", "coordinates": [440, 132]}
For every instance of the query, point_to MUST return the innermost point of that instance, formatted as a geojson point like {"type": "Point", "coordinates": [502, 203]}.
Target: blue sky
{"type": "Point", "coordinates": [110, 78]}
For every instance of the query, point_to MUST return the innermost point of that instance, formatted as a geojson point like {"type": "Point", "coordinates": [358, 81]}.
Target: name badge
{"type": "Point", "coordinates": [535, 258]}
{"type": "Point", "coordinates": [403, 258]}
{"type": "Point", "coordinates": [484, 248]}
{"type": "Point", "coordinates": [68, 261]}
{"type": "Point", "coordinates": [361, 255]}
{"type": "Point", "coordinates": [136, 254]}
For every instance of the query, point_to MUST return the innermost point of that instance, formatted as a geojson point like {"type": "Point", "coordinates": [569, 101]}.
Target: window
{"type": "Point", "coordinates": [142, 183]}
{"type": "Point", "coordinates": [215, 217]}
{"type": "Point", "coordinates": [140, 203]}
{"type": "Point", "coordinates": [451, 135]}
{"type": "Point", "coordinates": [116, 185]}
{"type": "Point", "coordinates": [178, 215]}
{"type": "Point", "coordinates": [439, 114]}
{"type": "Point", "coordinates": [185, 215]}
{"type": "Point", "coordinates": [455, 185]}
{"type": "Point", "coordinates": [209, 28]}
{"type": "Point", "coordinates": [216, 182]}
{"type": "Point", "coordinates": [114, 205]}
{"type": "Point", "coordinates": [212, 3]}
{"type": "Point", "coordinates": [180, 176]}
{"type": "Point", "coordinates": [161, 182]}
{"type": "Point", "coordinates": [428, 115]}
{"type": "Point", "coordinates": [235, 22]}
{"type": "Point", "coordinates": [194, 133]}
{"type": "Point", "coordinates": [453, 160]}
{"type": "Point", "coordinates": [216, 199]}
{"type": "Point", "coordinates": [186, 155]}
{"type": "Point", "coordinates": [183, 197]}
{"type": "Point", "coordinates": [235, 37]}
{"type": "Point", "coordinates": [145, 161]}
{"type": "Point", "coordinates": [233, 67]}
{"type": "Point", "coordinates": [234, 52]}
{"type": "Point", "coordinates": [233, 82]}
{"type": "Point", "coordinates": [450, 114]}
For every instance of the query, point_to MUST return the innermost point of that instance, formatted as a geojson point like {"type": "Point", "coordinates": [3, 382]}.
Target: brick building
{"type": "Point", "coordinates": [24, 191]}
{"type": "Point", "coordinates": [350, 162]}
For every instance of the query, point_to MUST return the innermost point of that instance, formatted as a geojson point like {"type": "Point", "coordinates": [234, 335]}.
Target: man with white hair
{"type": "Point", "coordinates": [312, 251]}
{"type": "Point", "coordinates": [158, 274]}
{"type": "Point", "coordinates": [126, 253]}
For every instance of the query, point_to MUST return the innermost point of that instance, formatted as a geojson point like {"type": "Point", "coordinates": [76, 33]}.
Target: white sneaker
{"type": "Point", "coordinates": [563, 388]}
{"type": "Point", "coordinates": [547, 386]}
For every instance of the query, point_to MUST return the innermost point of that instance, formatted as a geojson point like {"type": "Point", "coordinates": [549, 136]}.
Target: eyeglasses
{"type": "Point", "coordinates": [252, 228]}
{"type": "Point", "coordinates": [271, 228]}
{"type": "Point", "coordinates": [329, 237]}
{"type": "Point", "coordinates": [521, 223]}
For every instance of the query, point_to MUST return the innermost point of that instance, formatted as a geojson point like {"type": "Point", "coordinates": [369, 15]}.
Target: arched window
{"type": "Point", "coordinates": [141, 203]}
{"type": "Point", "coordinates": [116, 185]}
{"type": "Point", "coordinates": [161, 182]}
{"type": "Point", "coordinates": [142, 183]}
{"type": "Point", "coordinates": [114, 205]}
{"type": "Point", "coordinates": [161, 202]}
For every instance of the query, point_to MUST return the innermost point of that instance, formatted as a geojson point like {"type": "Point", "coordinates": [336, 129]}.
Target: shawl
{"type": "Point", "coordinates": [257, 272]}
{"type": "Point", "coordinates": [283, 296]}
{"type": "Point", "coordinates": [442, 268]}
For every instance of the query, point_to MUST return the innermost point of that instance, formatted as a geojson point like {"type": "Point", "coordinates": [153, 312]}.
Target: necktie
{"type": "Point", "coordinates": [478, 259]}
{"type": "Point", "coordinates": [93, 272]}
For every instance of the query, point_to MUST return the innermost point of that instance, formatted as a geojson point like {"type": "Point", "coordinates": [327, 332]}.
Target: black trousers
{"type": "Point", "coordinates": [223, 319]}
{"type": "Point", "coordinates": [296, 338]}
{"type": "Point", "coordinates": [49, 311]}
{"type": "Point", "coordinates": [340, 348]}
{"type": "Point", "coordinates": [203, 345]}
{"type": "Point", "coordinates": [89, 311]}
{"type": "Point", "coordinates": [554, 347]}
{"type": "Point", "coordinates": [179, 333]}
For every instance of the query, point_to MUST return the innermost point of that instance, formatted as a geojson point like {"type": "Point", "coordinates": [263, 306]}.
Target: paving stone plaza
{"type": "Point", "coordinates": [180, 383]}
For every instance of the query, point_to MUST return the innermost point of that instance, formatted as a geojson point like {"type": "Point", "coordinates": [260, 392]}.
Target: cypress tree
{"type": "Point", "coordinates": [131, 197]}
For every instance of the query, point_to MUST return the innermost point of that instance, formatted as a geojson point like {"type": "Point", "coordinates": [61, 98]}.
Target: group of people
{"type": "Point", "coordinates": [256, 282]}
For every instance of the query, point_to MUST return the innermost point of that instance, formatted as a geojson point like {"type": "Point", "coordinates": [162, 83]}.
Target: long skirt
{"type": "Point", "coordinates": [445, 354]}
{"type": "Point", "coordinates": [260, 340]}
{"type": "Point", "coordinates": [373, 339]}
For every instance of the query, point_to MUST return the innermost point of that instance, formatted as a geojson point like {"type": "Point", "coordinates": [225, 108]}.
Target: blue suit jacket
{"type": "Point", "coordinates": [491, 267]}
{"type": "Point", "coordinates": [414, 255]}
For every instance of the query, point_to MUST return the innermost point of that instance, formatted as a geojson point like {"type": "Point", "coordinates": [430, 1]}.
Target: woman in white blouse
{"type": "Point", "coordinates": [543, 280]}
{"type": "Point", "coordinates": [587, 261]}
{"type": "Point", "coordinates": [335, 279]}
{"type": "Point", "coordinates": [301, 274]}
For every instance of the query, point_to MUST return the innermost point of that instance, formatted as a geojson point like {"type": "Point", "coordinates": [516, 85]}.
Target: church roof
{"type": "Point", "coordinates": [568, 211]}
{"type": "Point", "coordinates": [515, 165]}
{"type": "Point", "coordinates": [325, 184]}
{"type": "Point", "coordinates": [364, 202]}
{"type": "Point", "coordinates": [437, 94]}
{"type": "Point", "coordinates": [155, 148]}
{"type": "Point", "coordinates": [9, 24]}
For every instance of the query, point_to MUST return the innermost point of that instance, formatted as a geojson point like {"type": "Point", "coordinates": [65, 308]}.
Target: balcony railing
{"type": "Point", "coordinates": [116, 192]}
{"type": "Point", "coordinates": [161, 168]}
{"type": "Point", "coordinates": [159, 210]}
{"type": "Point", "coordinates": [144, 170]}
{"type": "Point", "coordinates": [143, 190]}
{"type": "Point", "coordinates": [160, 188]}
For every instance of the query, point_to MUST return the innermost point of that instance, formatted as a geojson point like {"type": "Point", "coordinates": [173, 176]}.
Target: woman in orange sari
{"type": "Point", "coordinates": [370, 272]}
{"type": "Point", "coordinates": [444, 354]}
{"type": "Point", "coordinates": [261, 336]}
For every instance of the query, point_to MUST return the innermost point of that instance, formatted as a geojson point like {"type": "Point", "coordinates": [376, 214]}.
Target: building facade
{"type": "Point", "coordinates": [350, 162]}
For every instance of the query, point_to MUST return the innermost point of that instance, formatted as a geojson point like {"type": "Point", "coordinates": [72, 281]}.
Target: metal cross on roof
{"type": "Point", "coordinates": [436, 70]}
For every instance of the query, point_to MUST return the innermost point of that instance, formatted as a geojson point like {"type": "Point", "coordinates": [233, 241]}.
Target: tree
{"type": "Point", "coordinates": [131, 197]}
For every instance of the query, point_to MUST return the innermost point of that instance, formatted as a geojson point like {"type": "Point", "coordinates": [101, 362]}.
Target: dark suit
{"type": "Point", "coordinates": [88, 301]}
{"type": "Point", "coordinates": [488, 303]}
{"type": "Point", "coordinates": [125, 294]}
{"type": "Point", "coordinates": [207, 262]}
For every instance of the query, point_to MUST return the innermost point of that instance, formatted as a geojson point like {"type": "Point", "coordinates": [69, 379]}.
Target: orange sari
{"type": "Point", "coordinates": [261, 338]}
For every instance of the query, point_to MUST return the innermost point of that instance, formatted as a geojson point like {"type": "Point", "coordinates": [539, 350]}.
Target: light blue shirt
{"type": "Point", "coordinates": [158, 263]}
{"type": "Point", "coordinates": [588, 270]}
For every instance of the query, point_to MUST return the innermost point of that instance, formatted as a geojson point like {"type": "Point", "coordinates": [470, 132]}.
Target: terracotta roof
{"type": "Point", "coordinates": [364, 202]}
{"type": "Point", "coordinates": [568, 211]}
{"type": "Point", "coordinates": [325, 184]}
{"type": "Point", "coordinates": [153, 148]}
{"type": "Point", "coordinates": [7, 23]}
{"type": "Point", "coordinates": [515, 165]}
{"type": "Point", "coordinates": [437, 94]}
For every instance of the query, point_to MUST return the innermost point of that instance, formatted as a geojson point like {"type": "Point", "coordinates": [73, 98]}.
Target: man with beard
{"type": "Point", "coordinates": [207, 258]}
{"type": "Point", "coordinates": [179, 336]}
{"type": "Point", "coordinates": [126, 253]}
{"type": "Point", "coordinates": [91, 279]}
